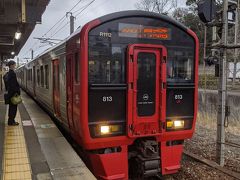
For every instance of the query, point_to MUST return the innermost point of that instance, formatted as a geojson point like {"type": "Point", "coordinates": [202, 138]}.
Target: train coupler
{"type": "Point", "coordinates": [147, 167]}
{"type": "Point", "coordinates": [147, 161]}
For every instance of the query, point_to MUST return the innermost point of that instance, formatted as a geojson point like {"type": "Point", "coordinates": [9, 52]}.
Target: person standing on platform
{"type": "Point", "coordinates": [13, 88]}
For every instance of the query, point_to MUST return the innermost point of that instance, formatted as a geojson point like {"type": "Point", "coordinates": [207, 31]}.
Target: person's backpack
{"type": "Point", "coordinates": [5, 80]}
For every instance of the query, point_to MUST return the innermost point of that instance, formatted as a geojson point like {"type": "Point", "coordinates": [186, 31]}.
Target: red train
{"type": "Point", "coordinates": [125, 87]}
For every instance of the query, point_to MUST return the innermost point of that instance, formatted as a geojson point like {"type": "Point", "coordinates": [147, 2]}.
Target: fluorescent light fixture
{"type": "Point", "coordinates": [12, 53]}
{"type": "Point", "coordinates": [18, 35]}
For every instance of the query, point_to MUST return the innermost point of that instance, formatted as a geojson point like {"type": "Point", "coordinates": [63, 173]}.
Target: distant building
{"type": "Point", "coordinates": [210, 70]}
{"type": "Point", "coordinates": [231, 67]}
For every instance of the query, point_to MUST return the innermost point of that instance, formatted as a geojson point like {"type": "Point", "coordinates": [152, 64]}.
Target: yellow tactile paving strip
{"type": "Point", "coordinates": [16, 164]}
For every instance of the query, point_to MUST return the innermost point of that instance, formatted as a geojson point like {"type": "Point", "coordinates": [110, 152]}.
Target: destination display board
{"type": "Point", "coordinates": [141, 31]}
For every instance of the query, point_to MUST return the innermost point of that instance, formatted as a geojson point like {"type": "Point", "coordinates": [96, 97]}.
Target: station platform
{"type": "Point", "coordinates": [36, 149]}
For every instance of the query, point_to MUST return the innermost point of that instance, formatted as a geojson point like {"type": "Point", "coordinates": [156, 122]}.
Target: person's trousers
{"type": "Point", "coordinates": [12, 111]}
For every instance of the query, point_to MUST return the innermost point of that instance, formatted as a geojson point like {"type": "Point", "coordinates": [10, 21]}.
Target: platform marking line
{"type": "Point", "coordinates": [16, 164]}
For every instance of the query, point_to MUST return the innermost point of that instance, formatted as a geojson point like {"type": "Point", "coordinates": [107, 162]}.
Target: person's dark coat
{"type": "Point", "coordinates": [13, 86]}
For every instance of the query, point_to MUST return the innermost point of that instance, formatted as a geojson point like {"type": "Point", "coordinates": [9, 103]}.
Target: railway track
{"type": "Point", "coordinates": [232, 144]}
{"type": "Point", "coordinates": [212, 164]}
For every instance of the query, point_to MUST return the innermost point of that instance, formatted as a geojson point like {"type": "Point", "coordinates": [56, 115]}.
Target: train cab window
{"type": "Point", "coordinates": [106, 64]}
{"type": "Point", "coordinates": [76, 67]}
{"type": "Point", "coordinates": [180, 66]}
{"type": "Point", "coordinates": [46, 77]}
{"type": "Point", "coordinates": [42, 76]}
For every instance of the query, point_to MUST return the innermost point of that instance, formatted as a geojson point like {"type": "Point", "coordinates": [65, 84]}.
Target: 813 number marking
{"type": "Point", "coordinates": [107, 98]}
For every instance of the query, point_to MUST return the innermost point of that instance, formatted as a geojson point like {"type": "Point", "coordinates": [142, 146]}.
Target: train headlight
{"type": "Point", "coordinates": [104, 129]}
{"type": "Point", "coordinates": [110, 129]}
{"type": "Point", "coordinates": [178, 124]}
{"type": "Point", "coordinates": [175, 124]}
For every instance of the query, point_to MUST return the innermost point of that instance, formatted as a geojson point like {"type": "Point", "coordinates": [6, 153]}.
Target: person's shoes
{"type": "Point", "coordinates": [13, 124]}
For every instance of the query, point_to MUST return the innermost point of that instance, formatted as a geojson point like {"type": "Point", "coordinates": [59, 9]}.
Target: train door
{"type": "Point", "coordinates": [146, 89]}
{"type": "Point", "coordinates": [56, 88]}
{"type": "Point", "coordinates": [69, 74]}
{"type": "Point", "coordinates": [76, 91]}
{"type": "Point", "coordinates": [34, 80]}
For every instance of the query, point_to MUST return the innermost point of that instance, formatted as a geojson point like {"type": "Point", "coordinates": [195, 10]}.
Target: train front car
{"type": "Point", "coordinates": [138, 95]}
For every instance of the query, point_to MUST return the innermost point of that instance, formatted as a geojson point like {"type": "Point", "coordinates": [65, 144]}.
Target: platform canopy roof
{"type": "Point", "coordinates": [17, 21]}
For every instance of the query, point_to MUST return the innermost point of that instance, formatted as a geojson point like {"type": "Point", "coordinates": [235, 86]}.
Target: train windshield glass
{"type": "Point", "coordinates": [108, 47]}
{"type": "Point", "coordinates": [180, 65]}
{"type": "Point", "coordinates": [105, 64]}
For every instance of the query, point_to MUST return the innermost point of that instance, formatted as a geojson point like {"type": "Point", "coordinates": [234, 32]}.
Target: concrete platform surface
{"type": "Point", "coordinates": [48, 154]}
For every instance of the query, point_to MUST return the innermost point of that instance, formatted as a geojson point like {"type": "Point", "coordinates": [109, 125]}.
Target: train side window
{"type": "Point", "coordinates": [46, 77]}
{"type": "Point", "coordinates": [38, 77]}
{"type": "Point", "coordinates": [30, 74]}
{"type": "Point", "coordinates": [76, 67]}
{"type": "Point", "coordinates": [27, 75]}
{"type": "Point", "coordinates": [42, 76]}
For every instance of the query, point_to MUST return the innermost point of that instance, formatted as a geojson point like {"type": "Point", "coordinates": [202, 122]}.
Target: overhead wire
{"type": "Point", "coordinates": [61, 20]}
{"type": "Point", "coordinates": [85, 8]}
{"type": "Point", "coordinates": [60, 24]}
{"type": "Point", "coordinates": [59, 30]}
{"type": "Point", "coordinates": [82, 9]}
{"type": "Point", "coordinates": [97, 5]}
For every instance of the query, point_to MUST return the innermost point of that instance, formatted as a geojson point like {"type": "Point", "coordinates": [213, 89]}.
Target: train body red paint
{"type": "Point", "coordinates": [125, 88]}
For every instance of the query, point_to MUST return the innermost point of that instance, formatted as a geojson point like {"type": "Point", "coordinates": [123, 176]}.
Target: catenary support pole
{"type": "Point", "coordinates": [204, 63]}
{"type": "Point", "coordinates": [32, 54]}
{"type": "Point", "coordinates": [17, 61]}
{"type": "Point", "coordinates": [235, 42]}
{"type": "Point", "coordinates": [222, 89]}
{"type": "Point", "coordinates": [71, 17]}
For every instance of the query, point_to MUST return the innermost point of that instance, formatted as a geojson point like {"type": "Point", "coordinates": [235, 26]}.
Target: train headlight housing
{"type": "Point", "coordinates": [102, 130]}
{"type": "Point", "coordinates": [109, 129]}
{"type": "Point", "coordinates": [175, 124]}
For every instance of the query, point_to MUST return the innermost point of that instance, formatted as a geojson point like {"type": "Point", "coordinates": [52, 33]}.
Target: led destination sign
{"type": "Point", "coordinates": [140, 31]}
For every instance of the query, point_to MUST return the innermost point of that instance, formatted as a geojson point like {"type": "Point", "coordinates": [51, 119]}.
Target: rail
{"type": "Point", "coordinates": [212, 164]}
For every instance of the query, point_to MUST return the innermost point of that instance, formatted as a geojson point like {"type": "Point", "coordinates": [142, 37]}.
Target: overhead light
{"type": "Point", "coordinates": [12, 53]}
{"type": "Point", "coordinates": [18, 35]}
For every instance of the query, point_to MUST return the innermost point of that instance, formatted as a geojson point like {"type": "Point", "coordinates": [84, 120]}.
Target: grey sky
{"type": "Point", "coordinates": [57, 9]}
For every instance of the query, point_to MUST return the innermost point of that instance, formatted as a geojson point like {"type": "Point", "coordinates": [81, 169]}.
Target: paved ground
{"type": "Point", "coordinates": [36, 148]}
{"type": "Point", "coordinates": [63, 162]}
{"type": "Point", "coordinates": [2, 124]}
{"type": "Point", "coordinates": [37, 159]}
